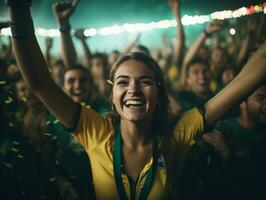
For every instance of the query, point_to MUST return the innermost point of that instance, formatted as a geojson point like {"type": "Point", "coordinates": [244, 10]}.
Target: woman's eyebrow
{"type": "Point", "coordinates": [121, 76]}
{"type": "Point", "coordinates": [147, 77]}
{"type": "Point", "coordinates": [142, 77]}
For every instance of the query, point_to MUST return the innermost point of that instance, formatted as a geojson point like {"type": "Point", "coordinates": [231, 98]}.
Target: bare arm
{"type": "Point", "coordinates": [35, 71]}
{"type": "Point", "coordinates": [247, 43]}
{"type": "Point", "coordinates": [179, 42]}
{"type": "Point", "coordinates": [86, 50]}
{"type": "Point", "coordinates": [47, 55]}
{"type": "Point", "coordinates": [130, 46]}
{"type": "Point", "coordinates": [251, 76]}
{"type": "Point", "coordinates": [193, 50]}
{"type": "Point", "coordinates": [62, 12]}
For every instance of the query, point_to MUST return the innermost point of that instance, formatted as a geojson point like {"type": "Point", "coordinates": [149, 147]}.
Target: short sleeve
{"type": "Point", "coordinates": [92, 128]}
{"type": "Point", "coordinates": [190, 124]}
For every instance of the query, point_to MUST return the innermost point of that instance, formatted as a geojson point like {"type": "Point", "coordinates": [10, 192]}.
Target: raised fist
{"type": "Point", "coordinates": [79, 33]}
{"type": "Point", "coordinates": [215, 26]}
{"type": "Point", "coordinates": [63, 10]}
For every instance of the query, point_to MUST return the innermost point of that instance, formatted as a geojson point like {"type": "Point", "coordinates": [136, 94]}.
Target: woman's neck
{"type": "Point", "coordinates": [135, 134]}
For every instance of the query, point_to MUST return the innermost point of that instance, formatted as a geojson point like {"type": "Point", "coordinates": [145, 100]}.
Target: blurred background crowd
{"type": "Point", "coordinates": [39, 159]}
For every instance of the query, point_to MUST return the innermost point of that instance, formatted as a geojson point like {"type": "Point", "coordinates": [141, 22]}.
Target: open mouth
{"type": "Point", "coordinates": [203, 83]}
{"type": "Point", "coordinates": [78, 93]}
{"type": "Point", "coordinates": [134, 103]}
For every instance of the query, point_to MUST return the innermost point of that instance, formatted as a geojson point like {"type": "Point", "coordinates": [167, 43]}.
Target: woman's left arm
{"type": "Point", "coordinates": [251, 77]}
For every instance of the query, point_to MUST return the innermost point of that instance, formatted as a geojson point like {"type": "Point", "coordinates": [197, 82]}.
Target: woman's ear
{"type": "Point", "coordinates": [111, 98]}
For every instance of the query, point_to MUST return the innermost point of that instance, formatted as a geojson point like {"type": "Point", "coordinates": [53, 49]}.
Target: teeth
{"type": "Point", "coordinates": [78, 93]}
{"type": "Point", "coordinates": [133, 103]}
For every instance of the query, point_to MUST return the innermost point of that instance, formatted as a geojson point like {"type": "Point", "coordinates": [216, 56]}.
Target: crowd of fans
{"type": "Point", "coordinates": [39, 158]}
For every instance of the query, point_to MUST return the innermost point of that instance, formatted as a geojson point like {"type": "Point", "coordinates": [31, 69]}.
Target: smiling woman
{"type": "Point", "coordinates": [136, 155]}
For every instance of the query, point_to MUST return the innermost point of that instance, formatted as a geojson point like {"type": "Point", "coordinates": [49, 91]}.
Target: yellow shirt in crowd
{"type": "Point", "coordinates": [96, 134]}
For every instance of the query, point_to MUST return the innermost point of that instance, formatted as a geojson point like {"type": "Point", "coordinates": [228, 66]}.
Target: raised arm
{"type": "Point", "coordinates": [86, 50]}
{"type": "Point", "coordinates": [193, 50]}
{"type": "Point", "coordinates": [251, 76]}
{"type": "Point", "coordinates": [33, 66]}
{"type": "Point", "coordinates": [247, 43]}
{"type": "Point", "coordinates": [179, 41]}
{"type": "Point", "coordinates": [47, 54]}
{"type": "Point", "coordinates": [62, 12]}
{"type": "Point", "coordinates": [132, 44]}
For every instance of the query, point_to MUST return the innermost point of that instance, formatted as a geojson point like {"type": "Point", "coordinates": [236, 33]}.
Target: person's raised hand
{"type": "Point", "coordinates": [174, 6]}
{"type": "Point", "coordinates": [252, 25]}
{"type": "Point", "coordinates": [63, 10]}
{"type": "Point", "coordinates": [79, 34]}
{"type": "Point", "coordinates": [214, 26]}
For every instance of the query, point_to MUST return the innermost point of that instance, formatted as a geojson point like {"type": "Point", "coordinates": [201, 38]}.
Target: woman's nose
{"type": "Point", "coordinates": [133, 88]}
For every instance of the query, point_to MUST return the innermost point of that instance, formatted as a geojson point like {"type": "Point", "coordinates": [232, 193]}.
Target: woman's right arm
{"type": "Point", "coordinates": [34, 68]}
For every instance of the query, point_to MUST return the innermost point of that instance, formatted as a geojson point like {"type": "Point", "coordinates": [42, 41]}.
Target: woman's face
{"type": "Point", "coordinates": [135, 91]}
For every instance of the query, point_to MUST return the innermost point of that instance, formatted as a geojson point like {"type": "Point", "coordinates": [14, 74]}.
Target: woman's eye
{"type": "Point", "coordinates": [122, 82]}
{"type": "Point", "coordinates": [146, 82]}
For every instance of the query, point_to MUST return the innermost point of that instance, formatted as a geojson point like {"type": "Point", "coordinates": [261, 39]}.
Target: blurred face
{"type": "Point", "coordinates": [256, 106]}
{"type": "Point", "coordinates": [58, 74]}
{"type": "Point", "coordinates": [228, 76]}
{"type": "Point", "coordinates": [198, 78]}
{"type": "Point", "coordinates": [77, 85]}
{"type": "Point", "coordinates": [12, 71]}
{"type": "Point", "coordinates": [163, 64]}
{"type": "Point", "coordinates": [97, 68]}
{"type": "Point", "coordinates": [135, 91]}
{"type": "Point", "coordinates": [113, 56]}
{"type": "Point", "coordinates": [24, 94]}
{"type": "Point", "coordinates": [218, 58]}
{"type": "Point", "coordinates": [204, 54]}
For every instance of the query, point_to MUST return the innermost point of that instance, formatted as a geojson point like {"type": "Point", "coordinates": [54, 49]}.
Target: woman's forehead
{"type": "Point", "coordinates": [133, 68]}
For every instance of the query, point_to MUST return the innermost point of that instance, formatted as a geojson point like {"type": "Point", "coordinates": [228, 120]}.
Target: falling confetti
{"type": "Point", "coordinates": [48, 134]}
{"type": "Point", "coordinates": [24, 99]}
{"type": "Point", "coordinates": [8, 165]}
{"type": "Point", "coordinates": [9, 100]}
{"type": "Point", "coordinates": [14, 149]}
{"type": "Point", "coordinates": [54, 137]}
{"type": "Point", "coordinates": [20, 156]}
{"type": "Point", "coordinates": [2, 82]}
{"type": "Point", "coordinates": [15, 142]}
{"type": "Point", "coordinates": [52, 179]}
{"type": "Point", "coordinates": [56, 121]}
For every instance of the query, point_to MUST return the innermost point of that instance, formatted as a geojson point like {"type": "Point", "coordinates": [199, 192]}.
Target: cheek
{"type": "Point", "coordinates": [153, 97]}
{"type": "Point", "coordinates": [67, 88]}
{"type": "Point", "coordinates": [116, 95]}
